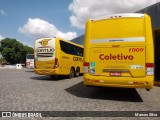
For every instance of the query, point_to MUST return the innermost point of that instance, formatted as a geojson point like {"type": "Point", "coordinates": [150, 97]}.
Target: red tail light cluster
{"type": "Point", "coordinates": [86, 67]}
{"type": "Point", "coordinates": [56, 63]}
{"type": "Point", "coordinates": [149, 68]}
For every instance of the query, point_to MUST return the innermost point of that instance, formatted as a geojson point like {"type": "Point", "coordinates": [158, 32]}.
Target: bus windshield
{"type": "Point", "coordinates": [30, 56]}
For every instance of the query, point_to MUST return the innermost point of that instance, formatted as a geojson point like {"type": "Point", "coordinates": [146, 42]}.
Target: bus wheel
{"type": "Point", "coordinates": [71, 75]}
{"type": "Point", "coordinates": [77, 73]}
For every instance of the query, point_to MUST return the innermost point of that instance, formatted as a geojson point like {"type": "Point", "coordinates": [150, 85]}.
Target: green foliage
{"type": "Point", "coordinates": [1, 59]}
{"type": "Point", "coordinates": [14, 51]}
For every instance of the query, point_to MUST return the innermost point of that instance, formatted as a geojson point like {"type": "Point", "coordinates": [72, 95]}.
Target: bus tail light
{"type": "Point", "coordinates": [27, 64]}
{"type": "Point", "coordinates": [86, 67]}
{"type": "Point", "coordinates": [149, 69]}
{"type": "Point", "coordinates": [55, 63]}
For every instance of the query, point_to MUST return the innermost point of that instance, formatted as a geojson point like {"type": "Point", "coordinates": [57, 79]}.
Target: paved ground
{"type": "Point", "coordinates": [22, 90]}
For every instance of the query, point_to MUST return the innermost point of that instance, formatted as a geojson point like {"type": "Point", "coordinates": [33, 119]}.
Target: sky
{"type": "Point", "coordinates": [27, 20]}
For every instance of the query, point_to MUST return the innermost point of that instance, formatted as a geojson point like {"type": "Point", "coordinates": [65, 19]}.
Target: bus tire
{"type": "Point", "coordinates": [77, 72]}
{"type": "Point", "coordinates": [52, 76]}
{"type": "Point", "coordinates": [72, 72]}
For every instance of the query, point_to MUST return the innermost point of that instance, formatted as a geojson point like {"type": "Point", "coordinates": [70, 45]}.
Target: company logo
{"type": "Point", "coordinates": [21, 114]}
{"type": "Point", "coordinates": [136, 67]}
{"type": "Point", "coordinates": [77, 59]}
{"type": "Point", "coordinates": [45, 51]}
{"type": "Point", "coordinates": [44, 42]}
{"type": "Point", "coordinates": [92, 67]}
{"type": "Point", "coordinates": [6, 114]}
{"type": "Point", "coordinates": [116, 57]}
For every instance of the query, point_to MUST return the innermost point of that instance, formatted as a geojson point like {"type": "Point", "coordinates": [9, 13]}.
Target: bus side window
{"type": "Point", "coordinates": [71, 49]}
{"type": "Point", "coordinates": [81, 52]}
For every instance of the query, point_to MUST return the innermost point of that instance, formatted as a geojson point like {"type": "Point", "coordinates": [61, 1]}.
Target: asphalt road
{"type": "Point", "coordinates": [22, 90]}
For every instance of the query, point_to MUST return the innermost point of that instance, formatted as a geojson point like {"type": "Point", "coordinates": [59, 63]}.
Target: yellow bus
{"type": "Point", "coordinates": [55, 56]}
{"type": "Point", "coordinates": [119, 51]}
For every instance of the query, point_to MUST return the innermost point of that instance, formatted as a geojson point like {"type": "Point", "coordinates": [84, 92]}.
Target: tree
{"type": "Point", "coordinates": [26, 50]}
{"type": "Point", "coordinates": [13, 51]}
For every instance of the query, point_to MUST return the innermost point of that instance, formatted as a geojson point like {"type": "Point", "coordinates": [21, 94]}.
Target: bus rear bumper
{"type": "Point", "coordinates": [46, 71]}
{"type": "Point", "coordinates": [123, 82]}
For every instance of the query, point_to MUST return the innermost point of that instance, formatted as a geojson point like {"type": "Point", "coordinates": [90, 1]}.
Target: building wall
{"type": "Point", "coordinates": [153, 11]}
{"type": "Point", "coordinates": [79, 40]}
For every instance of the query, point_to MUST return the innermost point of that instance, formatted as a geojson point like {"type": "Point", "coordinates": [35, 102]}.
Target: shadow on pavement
{"type": "Point", "coordinates": [106, 93]}
{"type": "Point", "coordinates": [48, 78]}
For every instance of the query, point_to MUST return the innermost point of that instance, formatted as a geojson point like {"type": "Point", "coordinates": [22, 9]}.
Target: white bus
{"type": "Point", "coordinates": [30, 61]}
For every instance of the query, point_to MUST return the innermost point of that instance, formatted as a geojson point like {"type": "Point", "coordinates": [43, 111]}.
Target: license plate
{"type": "Point", "coordinates": [115, 73]}
{"type": "Point", "coordinates": [43, 71]}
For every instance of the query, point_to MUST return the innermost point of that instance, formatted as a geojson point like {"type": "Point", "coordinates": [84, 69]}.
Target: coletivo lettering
{"type": "Point", "coordinates": [116, 57]}
{"type": "Point", "coordinates": [77, 59]}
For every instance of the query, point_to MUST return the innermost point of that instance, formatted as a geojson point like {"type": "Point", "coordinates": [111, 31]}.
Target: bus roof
{"type": "Point", "coordinates": [119, 16]}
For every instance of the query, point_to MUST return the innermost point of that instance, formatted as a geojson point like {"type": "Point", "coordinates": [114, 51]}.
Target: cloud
{"type": "Point", "coordinates": [26, 43]}
{"type": "Point", "coordinates": [84, 9]}
{"type": "Point", "coordinates": [2, 12]}
{"type": "Point", "coordinates": [1, 37]}
{"type": "Point", "coordinates": [40, 28]}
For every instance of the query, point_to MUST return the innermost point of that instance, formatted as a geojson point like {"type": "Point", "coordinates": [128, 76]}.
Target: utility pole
{"type": "Point", "coordinates": [0, 53]}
